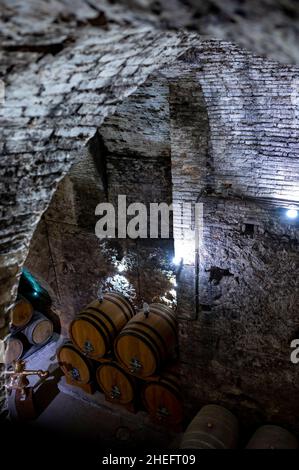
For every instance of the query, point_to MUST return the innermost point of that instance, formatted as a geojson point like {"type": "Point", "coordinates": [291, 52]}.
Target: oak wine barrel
{"type": "Point", "coordinates": [95, 328]}
{"type": "Point", "coordinates": [163, 400]}
{"type": "Point", "coordinates": [272, 437]}
{"type": "Point", "coordinates": [147, 340]}
{"type": "Point", "coordinates": [16, 346]}
{"type": "Point", "coordinates": [39, 331]}
{"type": "Point", "coordinates": [21, 313]}
{"type": "Point", "coordinates": [214, 427]}
{"type": "Point", "coordinates": [115, 383]}
{"type": "Point", "coordinates": [74, 364]}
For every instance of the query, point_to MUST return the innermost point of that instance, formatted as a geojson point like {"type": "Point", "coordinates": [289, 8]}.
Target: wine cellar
{"type": "Point", "coordinates": [149, 257]}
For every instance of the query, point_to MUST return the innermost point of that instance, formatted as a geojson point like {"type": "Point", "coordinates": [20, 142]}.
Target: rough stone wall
{"type": "Point", "coordinates": [53, 88]}
{"type": "Point", "coordinates": [190, 138]}
{"type": "Point", "coordinates": [266, 27]}
{"type": "Point", "coordinates": [234, 130]}
{"type": "Point", "coordinates": [64, 251]}
{"type": "Point", "coordinates": [133, 152]}
{"type": "Point", "coordinates": [194, 114]}
{"type": "Point", "coordinates": [253, 123]}
{"type": "Point", "coordinates": [241, 141]}
{"type": "Point", "coordinates": [137, 138]}
{"type": "Point", "coordinates": [55, 105]}
{"type": "Point", "coordinates": [51, 110]}
{"type": "Point", "coordinates": [249, 293]}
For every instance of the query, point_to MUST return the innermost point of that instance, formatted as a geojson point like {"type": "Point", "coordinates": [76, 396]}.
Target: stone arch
{"type": "Point", "coordinates": [156, 148]}
{"type": "Point", "coordinates": [130, 155]}
{"type": "Point", "coordinates": [252, 170]}
{"type": "Point", "coordinates": [55, 107]}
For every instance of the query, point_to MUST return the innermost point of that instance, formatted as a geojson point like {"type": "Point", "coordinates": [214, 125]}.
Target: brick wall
{"type": "Point", "coordinates": [220, 119]}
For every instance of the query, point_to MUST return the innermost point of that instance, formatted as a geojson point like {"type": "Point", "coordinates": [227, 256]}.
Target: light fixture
{"type": "Point", "coordinates": [178, 260]}
{"type": "Point", "coordinates": [292, 213]}
{"type": "Point", "coordinates": [184, 252]}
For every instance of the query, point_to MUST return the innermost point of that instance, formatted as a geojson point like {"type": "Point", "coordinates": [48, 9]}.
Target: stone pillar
{"type": "Point", "coordinates": [189, 128]}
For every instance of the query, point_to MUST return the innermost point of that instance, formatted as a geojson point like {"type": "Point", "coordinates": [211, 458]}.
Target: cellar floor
{"type": "Point", "coordinates": [82, 420]}
{"type": "Point", "coordinates": [67, 410]}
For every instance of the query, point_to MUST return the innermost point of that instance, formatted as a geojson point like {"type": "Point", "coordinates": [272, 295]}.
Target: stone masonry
{"type": "Point", "coordinates": [134, 110]}
{"type": "Point", "coordinates": [221, 118]}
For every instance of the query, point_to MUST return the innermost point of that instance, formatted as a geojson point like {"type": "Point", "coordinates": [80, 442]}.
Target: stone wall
{"type": "Point", "coordinates": [52, 110]}
{"type": "Point", "coordinates": [218, 120]}
{"type": "Point", "coordinates": [224, 123]}
{"type": "Point", "coordinates": [239, 147]}
{"type": "Point", "coordinates": [266, 27]}
{"type": "Point", "coordinates": [248, 296]}
{"type": "Point", "coordinates": [129, 156]}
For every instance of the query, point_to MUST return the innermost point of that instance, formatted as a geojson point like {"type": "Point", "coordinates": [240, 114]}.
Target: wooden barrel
{"type": "Point", "coordinates": [115, 383]}
{"type": "Point", "coordinates": [22, 313]}
{"type": "Point", "coordinates": [214, 427]}
{"type": "Point", "coordinates": [40, 330]}
{"type": "Point", "coordinates": [162, 399]}
{"type": "Point", "coordinates": [74, 364]}
{"type": "Point", "coordinates": [272, 437]}
{"type": "Point", "coordinates": [146, 341]}
{"type": "Point", "coordinates": [16, 346]}
{"type": "Point", "coordinates": [94, 330]}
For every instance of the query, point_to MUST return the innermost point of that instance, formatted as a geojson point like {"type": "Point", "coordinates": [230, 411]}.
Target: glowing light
{"type": "Point", "coordinates": [292, 213]}
{"type": "Point", "coordinates": [35, 294]}
{"type": "Point", "coordinates": [184, 252]}
{"type": "Point", "coordinates": [177, 260]}
{"type": "Point", "coordinates": [121, 268]}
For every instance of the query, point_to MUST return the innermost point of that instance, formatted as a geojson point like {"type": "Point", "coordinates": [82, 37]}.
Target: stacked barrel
{"type": "Point", "coordinates": [29, 330]}
{"type": "Point", "coordinates": [143, 348]}
{"type": "Point", "coordinates": [125, 354]}
{"type": "Point", "coordinates": [92, 335]}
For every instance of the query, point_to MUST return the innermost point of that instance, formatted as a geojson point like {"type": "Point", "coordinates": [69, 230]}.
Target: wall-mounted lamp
{"type": "Point", "coordinates": [292, 213]}
{"type": "Point", "coordinates": [184, 252]}
{"type": "Point", "coordinates": [178, 261]}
